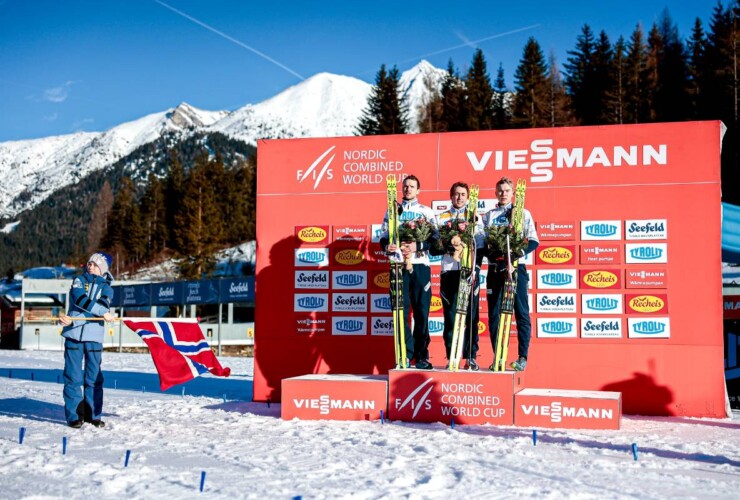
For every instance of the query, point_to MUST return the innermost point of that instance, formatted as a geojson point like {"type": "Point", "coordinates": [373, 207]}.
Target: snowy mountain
{"type": "Point", "coordinates": [323, 105]}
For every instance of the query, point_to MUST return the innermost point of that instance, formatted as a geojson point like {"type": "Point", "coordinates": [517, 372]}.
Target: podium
{"type": "Point", "coordinates": [334, 397]}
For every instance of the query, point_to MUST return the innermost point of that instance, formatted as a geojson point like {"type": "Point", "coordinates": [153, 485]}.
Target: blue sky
{"type": "Point", "coordinates": [75, 65]}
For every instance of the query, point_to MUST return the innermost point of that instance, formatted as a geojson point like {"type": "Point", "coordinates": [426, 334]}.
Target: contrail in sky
{"type": "Point", "coordinates": [469, 43]}
{"type": "Point", "coordinates": [231, 39]}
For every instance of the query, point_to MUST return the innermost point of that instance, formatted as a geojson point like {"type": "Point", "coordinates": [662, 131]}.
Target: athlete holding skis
{"type": "Point", "coordinates": [498, 273]}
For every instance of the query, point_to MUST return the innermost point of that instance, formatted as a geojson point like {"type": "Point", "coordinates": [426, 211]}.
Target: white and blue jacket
{"type": "Point", "coordinates": [413, 210]}
{"type": "Point", "coordinates": [90, 296]}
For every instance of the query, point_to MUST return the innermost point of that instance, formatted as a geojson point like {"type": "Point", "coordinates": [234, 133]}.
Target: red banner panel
{"type": "Point", "coordinates": [601, 253]}
{"type": "Point", "coordinates": [556, 230]}
{"type": "Point", "coordinates": [350, 234]}
{"type": "Point", "coordinates": [646, 277]}
{"type": "Point", "coordinates": [546, 408]}
{"type": "Point", "coordinates": [334, 397]}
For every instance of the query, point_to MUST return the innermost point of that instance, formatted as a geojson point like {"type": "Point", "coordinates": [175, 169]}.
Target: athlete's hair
{"type": "Point", "coordinates": [504, 180]}
{"type": "Point", "coordinates": [413, 178]}
{"type": "Point", "coordinates": [458, 185]}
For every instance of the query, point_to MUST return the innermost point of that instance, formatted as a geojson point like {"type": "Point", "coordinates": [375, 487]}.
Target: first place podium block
{"type": "Point", "coordinates": [468, 397]}
{"type": "Point", "coordinates": [334, 397]}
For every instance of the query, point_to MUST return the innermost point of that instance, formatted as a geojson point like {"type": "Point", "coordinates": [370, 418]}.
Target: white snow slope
{"type": "Point", "coordinates": [247, 451]}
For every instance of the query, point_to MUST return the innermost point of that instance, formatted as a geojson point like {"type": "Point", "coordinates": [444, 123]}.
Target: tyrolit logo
{"type": "Point", "coordinates": [555, 255]}
{"type": "Point", "coordinates": [311, 302]}
{"type": "Point", "coordinates": [349, 257]}
{"type": "Point", "coordinates": [649, 327]}
{"type": "Point", "coordinates": [312, 234]}
{"type": "Point", "coordinates": [602, 304]}
{"type": "Point", "coordinates": [601, 230]}
{"type": "Point", "coordinates": [600, 279]}
{"type": "Point", "coordinates": [436, 303]}
{"type": "Point", "coordinates": [349, 325]}
{"type": "Point", "coordinates": [646, 303]}
{"type": "Point", "coordinates": [557, 279]}
{"type": "Point", "coordinates": [646, 253]}
{"type": "Point", "coordinates": [436, 327]}
{"type": "Point", "coordinates": [382, 280]}
{"type": "Point", "coordinates": [311, 257]}
{"type": "Point", "coordinates": [350, 279]}
{"type": "Point", "coordinates": [557, 327]}
{"type": "Point", "coordinates": [383, 303]}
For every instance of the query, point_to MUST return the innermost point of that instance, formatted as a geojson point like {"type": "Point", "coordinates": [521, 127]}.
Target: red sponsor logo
{"type": "Point", "coordinates": [333, 397]}
{"type": "Point", "coordinates": [636, 277]}
{"type": "Point", "coordinates": [313, 235]}
{"type": "Point", "coordinates": [377, 255]}
{"type": "Point", "coordinates": [556, 254]}
{"type": "Point", "coordinates": [600, 278]}
{"type": "Point", "coordinates": [380, 280]}
{"type": "Point", "coordinates": [352, 234]}
{"type": "Point", "coordinates": [567, 409]}
{"type": "Point", "coordinates": [557, 230]}
{"type": "Point", "coordinates": [647, 303]}
{"type": "Point", "coordinates": [349, 257]}
{"type": "Point", "coordinates": [312, 324]}
{"type": "Point", "coordinates": [601, 253]}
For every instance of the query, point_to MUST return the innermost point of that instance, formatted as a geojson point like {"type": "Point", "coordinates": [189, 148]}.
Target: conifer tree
{"type": "Point", "coordinates": [696, 47]}
{"type": "Point", "coordinates": [637, 103]}
{"type": "Point", "coordinates": [579, 77]}
{"type": "Point", "coordinates": [531, 100]}
{"type": "Point", "coordinates": [453, 101]}
{"type": "Point", "coordinates": [478, 95]}
{"type": "Point", "coordinates": [98, 224]}
{"type": "Point", "coordinates": [620, 72]}
{"type": "Point", "coordinates": [387, 110]}
{"type": "Point", "coordinates": [558, 104]}
{"type": "Point", "coordinates": [174, 189]}
{"type": "Point", "coordinates": [430, 110]}
{"type": "Point", "coordinates": [501, 110]}
{"type": "Point", "coordinates": [603, 83]}
{"type": "Point", "coordinates": [124, 235]}
{"type": "Point", "coordinates": [670, 100]}
{"type": "Point", "coordinates": [154, 214]}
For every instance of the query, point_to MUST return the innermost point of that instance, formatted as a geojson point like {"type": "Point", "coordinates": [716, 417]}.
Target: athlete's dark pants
{"type": "Point", "coordinates": [417, 296]}
{"type": "Point", "coordinates": [495, 284]}
{"type": "Point", "coordinates": [449, 284]}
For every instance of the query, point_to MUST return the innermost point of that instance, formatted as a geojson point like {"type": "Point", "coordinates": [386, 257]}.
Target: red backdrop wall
{"type": "Point", "coordinates": [629, 223]}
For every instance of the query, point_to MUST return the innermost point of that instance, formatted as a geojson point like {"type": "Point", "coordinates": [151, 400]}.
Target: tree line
{"type": "Point", "coordinates": [652, 76]}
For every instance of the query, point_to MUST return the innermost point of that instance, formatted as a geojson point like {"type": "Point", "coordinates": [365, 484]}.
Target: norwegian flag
{"type": "Point", "coordinates": [179, 350]}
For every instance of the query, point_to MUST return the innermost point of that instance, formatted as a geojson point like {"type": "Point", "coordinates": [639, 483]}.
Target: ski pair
{"type": "Point", "coordinates": [396, 276]}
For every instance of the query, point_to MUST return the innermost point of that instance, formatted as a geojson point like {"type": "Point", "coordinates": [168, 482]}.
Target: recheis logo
{"type": "Point", "coordinates": [600, 278]}
{"type": "Point", "coordinates": [647, 304]}
{"type": "Point", "coordinates": [555, 255]}
{"type": "Point", "coordinates": [601, 230]}
{"type": "Point", "coordinates": [382, 279]}
{"type": "Point", "coordinates": [349, 257]}
{"type": "Point", "coordinates": [646, 252]}
{"type": "Point", "coordinates": [435, 304]}
{"type": "Point", "coordinates": [312, 234]}
{"type": "Point", "coordinates": [649, 328]}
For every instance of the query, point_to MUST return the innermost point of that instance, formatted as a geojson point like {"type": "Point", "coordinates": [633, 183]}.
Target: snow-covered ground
{"type": "Point", "coordinates": [247, 451]}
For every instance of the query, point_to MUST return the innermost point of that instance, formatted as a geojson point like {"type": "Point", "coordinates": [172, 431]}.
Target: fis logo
{"type": "Point", "coordinates": [601, 230]}
{"type": "Point", "coordinates": [649, 328]}
{"type": "Point", "coordinates": [318, 170]}
{"type": "Point", "coordinates": [640, 253]}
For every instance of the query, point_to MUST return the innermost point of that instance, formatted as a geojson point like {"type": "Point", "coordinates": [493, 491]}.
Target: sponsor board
{"type": "Point", "coordinates": [554, 408]}
{"type": "Point", "coordinates": [557, 255]}
{"type": "Point", "coordinates": [376, 231]}
{"type": "Point", "coordinates": [333, 397]}
{"type": "Point", "coordinates": [350, 234]}
{"type": "Point", "coordinates": [556, 302]}
{"type": "Point", "coordinates": [557, 327]}
{"type": "Point", "coordinates": [311, 279]}
{"type": "Point", "coordinates": [311, 324]}
{"type": "Point", "coordinates": [381, 326]}
{"type": "Point", "coordinates": [600, 278]}
{"type": "Point", "coordinates": [440, 206]}
{"type": "Point", "coordinates": [312, 235]}
{"type": "Point", "coordinates": [380, 280]}
{"type": "Point", "coordinates": [376, 255]}
{"type": "Point", "coordinates": [646, 229]}
{"type": "Point", "coordinates": [311, 302]}
{"type": "Point", "coordinates": [601, 230]}
{"type": "Point", "coordinates": [601, 328]}
{"type": "Point", "coordinates": [601, 253]}
{"type": "Point", "coordinates": [556, 230]}
{"type": "Point", "coordinates": [311, 257]}
{"type": "Point", "coordinates": [435, 305]}
{"type": "Point", "coordinates": [380, 302]}
{"type": "Point", "coordinates": [646, 253]}
{"type": "Point", "coordinates": [349, 280]}
{"type": "Point", "coordinates": [647, 303]}
{"type": "Point", "coordinates": [440, 396]}
{"type": "Point", "coordinates": [436, 326]}
{"type": "Point", "coordinates": [649, 328]}
{"type": "Point", "coordinates": [593, 303]}
{"type": "Point", "coordinates": [556, 279]}
{"type": "Point", "coordinates": [349, 302]}
{"type": "Point", "coordinates": [349, 325]}
{"type": "Point", "coordinates": [646, 277]}
{"type": "Point", "coordinates": [348, 256]}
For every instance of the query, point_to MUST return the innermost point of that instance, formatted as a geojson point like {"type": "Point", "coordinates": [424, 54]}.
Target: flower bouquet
{"type": "Point", "coordinates": [456, 227]}
{"type": "Point", "coordinates": [496, 237]}
{"type": "Point", "coordinates": [416, 230]}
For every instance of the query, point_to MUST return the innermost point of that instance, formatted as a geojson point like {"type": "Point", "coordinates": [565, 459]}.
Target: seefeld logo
{"type": "Point", "coordinates": [646, 303]}
{"type": "Point", "coordinates": [350, 279]}
{"type": "Point", "coordinates": [311, 234]}
{"type": "Point", "coordinates": [436, 303]}
{"type": "Point", "coordinates": [557, 279]}
{"type": "Point", "coordinates": [557, 327]}
{"type": "Point", "coordinates": [167, 291]}
{"type": "Point", "coordinates": [349, 257]}
{"type": "Point", "coordinates": [382, 280]}
{"type": "Point", "coordinates": [602, 326]}
{"type": "Point", "coordinates": [349, 325]}
{"type": "Point", "coordinates": [602, 304]}
{"type": "Point", "coordinates": [240, 287]}
{"type": "Point", "coordinates": [649, 327]}
{"type": "Point", "coordinates": [315, 172]}
{"type": "Point", "coordinates": [600, 279]}
{"type": "Point", "coordinates": [311, 257]}
{"type": "Point", "coordinates": [556, 255]}
{"type": "Point", "coordinates": [436, 326]}
{"type": "Point", "coordinates": [601, 230]}
{"type": "Point", "coordinates": [311, 302]}
{"type": "Point", "coordinates": [646, 253]}
{"type": "Point", "coordinates": [383, 303]}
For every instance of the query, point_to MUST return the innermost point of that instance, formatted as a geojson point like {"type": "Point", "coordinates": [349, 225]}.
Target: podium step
{"type": "Point", "coordinates": [334, 397]}
{"type": "Point", "coordinates": [557, 408]}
